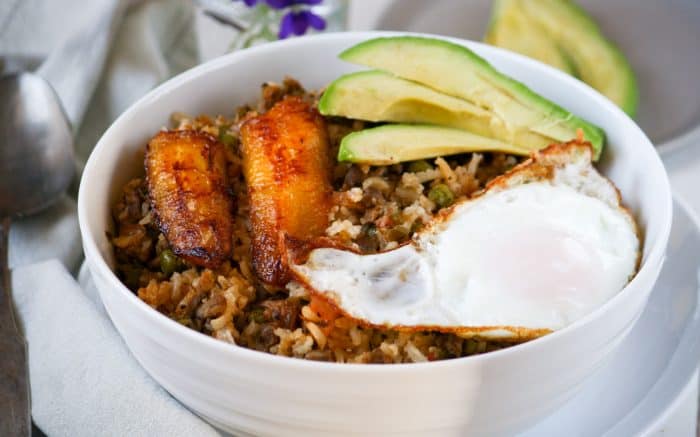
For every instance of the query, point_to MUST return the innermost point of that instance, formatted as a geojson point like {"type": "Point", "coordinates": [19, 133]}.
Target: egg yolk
{"type": "Point", "coordinates": [542, 263]}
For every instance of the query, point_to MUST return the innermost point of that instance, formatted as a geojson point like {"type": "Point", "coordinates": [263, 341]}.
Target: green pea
{"type": "Point", "coordinates": [257, 315]}
{"type": "Point", "coordinates": [419, 166]}
{"type": "Point", "coordinates": [441, 195]}
{"type": "Point", "coordinates": [169, 262]}
{"type": "Point", "coordinates": [225, 137]}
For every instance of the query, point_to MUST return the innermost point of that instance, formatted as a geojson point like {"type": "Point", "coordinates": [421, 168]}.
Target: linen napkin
{"type": "Point", "coordinates": [99, 60]}
{"type": "Point", "coordinates": [100, 56]}
{"type": "Point", "coordinates": [84, 381]}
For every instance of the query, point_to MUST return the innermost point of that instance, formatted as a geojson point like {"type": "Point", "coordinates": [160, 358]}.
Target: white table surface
{"type": "Point", "coordinates": [683, 167]}
{"type": "Point", "coordinates": [680, 418]}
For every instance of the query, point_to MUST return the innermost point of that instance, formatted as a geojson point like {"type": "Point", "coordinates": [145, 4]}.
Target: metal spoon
{"type": "Point", "coordinates": [36, 167]}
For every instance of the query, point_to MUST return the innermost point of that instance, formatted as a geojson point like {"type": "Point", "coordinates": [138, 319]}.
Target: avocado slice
{"type": "Point", "coordinates": [379, 96]}
{"type": "Point", "coordinates": [394, 143]}
{"type": "Point", "coordinates": [511, 29]}
{"type": "Point", "coordinates": [455, 70]}
{"type": "Point", "coordinates": [596, 60]}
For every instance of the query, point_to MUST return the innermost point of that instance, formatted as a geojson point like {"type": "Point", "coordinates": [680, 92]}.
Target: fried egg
{"type": "Point", "coordinates": [539, 248]}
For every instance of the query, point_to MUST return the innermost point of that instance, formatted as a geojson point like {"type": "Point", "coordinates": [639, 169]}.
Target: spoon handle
{"type": "Point", "coordinates": [14, 379]}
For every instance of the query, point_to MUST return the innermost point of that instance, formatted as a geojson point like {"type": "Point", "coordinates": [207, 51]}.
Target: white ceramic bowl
{"type": "Point", "coordinates": [244, 391]}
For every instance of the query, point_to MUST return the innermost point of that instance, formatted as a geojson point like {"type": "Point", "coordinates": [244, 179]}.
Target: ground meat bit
{"type": "Point", "coordinates": [266, 338]}
{"type": "Point", "coordinates": [453, 347]}
{"type": "Point", "coordinates": [353, 177]}
{"type": "Point", "coordinates": [282, 313]}
{"type": "Point", "coordinates": [128, 208]}
{"type": "Point", "coordinates": [274, 92]}
{"type": "Point", "coordinates": [377, 356]}
{"type": "Point", "coordinates": [133, 242]}
{"type": "Point", "coordinates": [368, 239]}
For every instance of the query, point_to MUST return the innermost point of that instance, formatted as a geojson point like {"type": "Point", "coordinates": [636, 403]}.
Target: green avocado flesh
{"type": "Point", "coordinates": [563, 24]}
{"type": "Point", "coordinates": [515, 110]}
{"type": "Point", "coordinates": [394, 143]}
{"type": "Point", "coordinates": [511, 29]}
{"type": "Point", "coordinates": [379, 96]}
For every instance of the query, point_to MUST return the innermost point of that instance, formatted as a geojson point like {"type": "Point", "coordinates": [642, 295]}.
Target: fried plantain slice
{"type": "Point", "coordinates": [190, 195]}
{"type": "Point", "coordinates": [287, 169]}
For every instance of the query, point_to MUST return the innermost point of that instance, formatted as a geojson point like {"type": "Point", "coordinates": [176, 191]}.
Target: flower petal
{"type": "Point", "coordinates": [299, 22]}
{"type": "Point", "coordinates": [250, 3]}
{"type": "Point", "coordinates": [315, 21]}
{"type": "Point", "coordinates": [286, 25]}
{"type": "Point", "coordinates": [306, 2]}
{"type": "Point", "coordinates": [279, 4]}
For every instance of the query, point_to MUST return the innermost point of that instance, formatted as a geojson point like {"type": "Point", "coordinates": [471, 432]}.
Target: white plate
{"type": "Point", "coordinates": [659, 38]}
{"type": "Point", "coordinates": [655, 362]}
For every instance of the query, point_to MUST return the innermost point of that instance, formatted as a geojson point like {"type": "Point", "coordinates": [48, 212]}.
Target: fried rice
{"type": "Point", "coordinates": [374, 209]}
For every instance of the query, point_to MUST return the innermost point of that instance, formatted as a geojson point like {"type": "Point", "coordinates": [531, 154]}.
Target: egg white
{"type": "Point", "coordinates": [529, 256]}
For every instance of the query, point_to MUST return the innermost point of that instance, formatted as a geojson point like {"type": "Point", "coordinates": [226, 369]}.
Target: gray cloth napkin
{"type": "Point", "coordinates": [84, 381]}
{"type": "Point", "coordinates": [100, 61]}
{"type": "Point", "coordinates": [100, 56]}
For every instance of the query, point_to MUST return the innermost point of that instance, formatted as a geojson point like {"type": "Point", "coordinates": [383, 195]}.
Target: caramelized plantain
{"type": "Point", "coordinates": [189, 192]}
{"type": "Point", "coordinates": [287, 169]}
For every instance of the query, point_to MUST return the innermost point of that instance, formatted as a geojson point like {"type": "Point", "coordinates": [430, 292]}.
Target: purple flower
{"type": "Point", "coordinates": [297, 20]}
{"type": "Point", "coordinates": [297, 23]}
{"type": "Point", "coordinates": [281, 4]}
